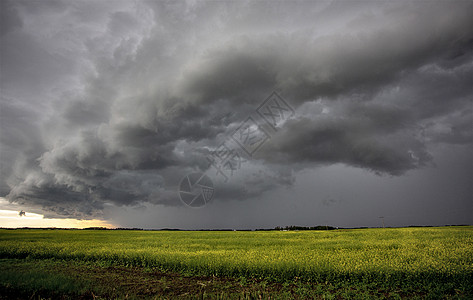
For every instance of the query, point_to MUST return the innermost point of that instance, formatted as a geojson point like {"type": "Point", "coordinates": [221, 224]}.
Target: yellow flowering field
{"type": "Point", "coordinates": [381, 254]}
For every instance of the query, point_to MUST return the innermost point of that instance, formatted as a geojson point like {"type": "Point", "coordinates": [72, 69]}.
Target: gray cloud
{"type": "Point", "coordinates": [113, 104]}
{"type": "Point", "coordinates": [10, 19]}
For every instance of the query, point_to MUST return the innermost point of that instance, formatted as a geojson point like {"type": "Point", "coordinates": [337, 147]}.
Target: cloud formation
{"type": "Point", "coordinates": [107, 103]}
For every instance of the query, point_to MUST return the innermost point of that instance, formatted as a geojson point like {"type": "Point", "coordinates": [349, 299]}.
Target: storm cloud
{"type": "Point", "coordinates": [113, 103]}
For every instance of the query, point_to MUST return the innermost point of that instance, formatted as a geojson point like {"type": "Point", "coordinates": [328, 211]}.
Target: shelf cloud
{"type": "Point", "coordinates": [113, 103]}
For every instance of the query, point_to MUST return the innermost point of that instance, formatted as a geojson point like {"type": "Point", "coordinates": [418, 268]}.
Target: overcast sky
{"type": "Point", "coordinates": [107, 105]}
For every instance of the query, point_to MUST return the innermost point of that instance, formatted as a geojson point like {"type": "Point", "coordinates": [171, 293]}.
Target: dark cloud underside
{"type": "Point", "coordinates": [112, 103]}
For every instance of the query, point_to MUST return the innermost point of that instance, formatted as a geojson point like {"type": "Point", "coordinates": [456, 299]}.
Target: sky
{"type": "Point", "coordinates": [236, 114]}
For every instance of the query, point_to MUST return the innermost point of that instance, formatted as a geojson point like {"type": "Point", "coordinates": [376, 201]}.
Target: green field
{"type": "Point", "coordinates": [348, 263]}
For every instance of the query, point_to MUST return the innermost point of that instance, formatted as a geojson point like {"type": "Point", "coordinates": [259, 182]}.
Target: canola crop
{"type": "Point", "coordinates": [388, 256]}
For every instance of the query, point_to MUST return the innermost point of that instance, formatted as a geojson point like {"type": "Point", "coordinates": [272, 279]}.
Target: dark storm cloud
{"type": "Point", "coordinates": [350, 141]}
{"type": "Point", "coordinates": [9, 17]}
{"type": "Point", "coordinates": [306, 67]}
{"type": "Point", "coordinates": [114, 104]}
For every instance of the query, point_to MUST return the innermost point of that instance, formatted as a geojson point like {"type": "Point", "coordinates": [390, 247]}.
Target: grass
{"type": "Point", "coordinates": [27, 278]}
{"type": "Point", "coordinates": [392, 262]}
{"type": "Point", "coordinates": [36, 277]}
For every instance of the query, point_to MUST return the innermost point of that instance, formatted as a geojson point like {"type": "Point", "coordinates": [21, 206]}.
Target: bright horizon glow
{"type": "Point", "coordinates": [11, 219]}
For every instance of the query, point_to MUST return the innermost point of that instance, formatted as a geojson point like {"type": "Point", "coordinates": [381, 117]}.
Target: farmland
{"type": "Point", "coordinates": [391, 262]}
